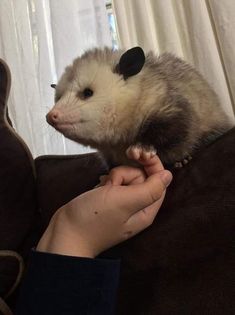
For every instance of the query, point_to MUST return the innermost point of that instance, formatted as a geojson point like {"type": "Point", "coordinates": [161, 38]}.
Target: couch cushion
{"type": "Point", "coordinates": [62, 178]}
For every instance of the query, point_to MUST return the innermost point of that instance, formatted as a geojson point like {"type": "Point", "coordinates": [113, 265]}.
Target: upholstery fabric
{"type": "Point", "coordinates": [184, 263]}
{"type": "Point", "coordinates": [62, 178]}
{"type": "Point", "coordinates": [17, 196]}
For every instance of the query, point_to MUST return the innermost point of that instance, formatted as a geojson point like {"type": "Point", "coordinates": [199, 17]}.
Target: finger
{"type": "Point", "coordinates": [143, 218]}
{"type": "Point", "coordinates": [140, 196]}
{"type": "Point", "coordinates": [152, 165]}
{"type": "Point", "coordinates": [146, 158]}
{"type": "Point", "coordinates": [125, 175]}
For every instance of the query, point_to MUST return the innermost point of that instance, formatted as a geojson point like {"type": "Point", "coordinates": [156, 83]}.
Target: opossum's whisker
{"type": "Point", "coordinates": [93, 79]}
{"type": "Point", "coordinates": [72, 104]}
{"type": "Point", "coordinates": [69, 98]}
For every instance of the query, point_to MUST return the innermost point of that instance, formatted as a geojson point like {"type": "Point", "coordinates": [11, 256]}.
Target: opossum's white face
{"type": "Point", "coordinates": [95, 103]}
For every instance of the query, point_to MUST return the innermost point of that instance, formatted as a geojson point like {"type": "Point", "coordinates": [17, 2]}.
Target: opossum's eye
{"type": "Point", "coordinates": [87, 93]}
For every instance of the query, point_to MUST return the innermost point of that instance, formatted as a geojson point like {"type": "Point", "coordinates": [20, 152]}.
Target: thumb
{"type": "Point", "coordinates": [136, 197]}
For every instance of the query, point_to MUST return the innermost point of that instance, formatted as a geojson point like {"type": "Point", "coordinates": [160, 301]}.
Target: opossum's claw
{"type": "Point", "coordinates": [183, 162]}
{"type": "Point", "coordinates": [178, 165]}
{"type": "Point", "coordinates": [138, 152]}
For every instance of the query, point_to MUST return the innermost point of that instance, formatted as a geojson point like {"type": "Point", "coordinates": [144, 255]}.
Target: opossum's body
{"type": "Point", "coordinates": [110, 100]}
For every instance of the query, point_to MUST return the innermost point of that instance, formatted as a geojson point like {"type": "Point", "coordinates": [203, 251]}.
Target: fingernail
{"type": "Point", "coordinates": [166, 177]}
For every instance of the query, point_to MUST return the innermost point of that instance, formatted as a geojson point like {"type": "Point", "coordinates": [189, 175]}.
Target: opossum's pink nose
{"type": "Point", "coordinates": [53, 117]}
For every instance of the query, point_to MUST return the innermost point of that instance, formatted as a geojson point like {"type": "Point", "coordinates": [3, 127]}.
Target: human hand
{"type": "Point", "coordinates": [109, 214]}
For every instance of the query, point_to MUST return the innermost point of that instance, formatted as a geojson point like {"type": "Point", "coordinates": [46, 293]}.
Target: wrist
{"type": "Point", "coordinates": [60, 239]}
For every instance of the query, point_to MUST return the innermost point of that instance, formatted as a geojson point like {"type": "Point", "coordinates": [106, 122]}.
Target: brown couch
{"type": "Point", "coordinates": [184, 264]}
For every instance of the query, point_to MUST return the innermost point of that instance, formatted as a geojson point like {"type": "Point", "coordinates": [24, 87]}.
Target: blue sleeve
{"type": "Point", "coordinates": [57, 284]}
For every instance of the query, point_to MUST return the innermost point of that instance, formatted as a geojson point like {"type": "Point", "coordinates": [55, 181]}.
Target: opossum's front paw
{"type": "Point", "coordinates": [138, 152]}
{"type": "Point", "coordinates": [183, 162]}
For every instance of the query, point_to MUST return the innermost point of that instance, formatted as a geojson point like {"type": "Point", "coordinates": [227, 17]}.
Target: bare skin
{"type": "Point", "coordinates": [125, 204]}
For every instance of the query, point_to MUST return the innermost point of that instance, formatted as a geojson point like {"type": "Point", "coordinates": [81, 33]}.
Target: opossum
{"type": "Point", "coordinates": [111, 100]}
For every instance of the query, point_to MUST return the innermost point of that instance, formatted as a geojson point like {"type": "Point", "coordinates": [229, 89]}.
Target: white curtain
{"type": "Point", "coordinates": [38, 38]}
{"type": "Point", "coordinates": [200, 31]}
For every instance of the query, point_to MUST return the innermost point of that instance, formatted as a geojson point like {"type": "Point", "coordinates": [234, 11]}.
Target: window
{"type": "Point", "coordinates": [112, 24]}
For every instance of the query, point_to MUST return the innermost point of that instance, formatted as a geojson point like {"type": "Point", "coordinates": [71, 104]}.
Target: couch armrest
{"type": "Point", "coordinates": [18, 207]}
{"type": "Point", "coordinates": [61, 178]}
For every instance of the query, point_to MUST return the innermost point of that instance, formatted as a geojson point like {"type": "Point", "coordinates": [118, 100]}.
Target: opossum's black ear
{"type": "Point", "coordinates": [53, 86]}
{"type": "Point", "coordinates": [131, 62]}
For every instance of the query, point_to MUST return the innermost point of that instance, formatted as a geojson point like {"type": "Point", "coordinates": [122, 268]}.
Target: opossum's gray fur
{"type": "Point", "coordinates": [168, 105]}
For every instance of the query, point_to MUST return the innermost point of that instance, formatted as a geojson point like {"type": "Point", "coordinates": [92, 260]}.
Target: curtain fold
{"type": "Point", "coordinates": [38, 39]}
{"type": "Point", "coordinates": [201, 32]}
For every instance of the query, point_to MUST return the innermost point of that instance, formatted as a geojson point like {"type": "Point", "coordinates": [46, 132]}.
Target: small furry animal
{"type": "Point", "coordinates": [111, 100]}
